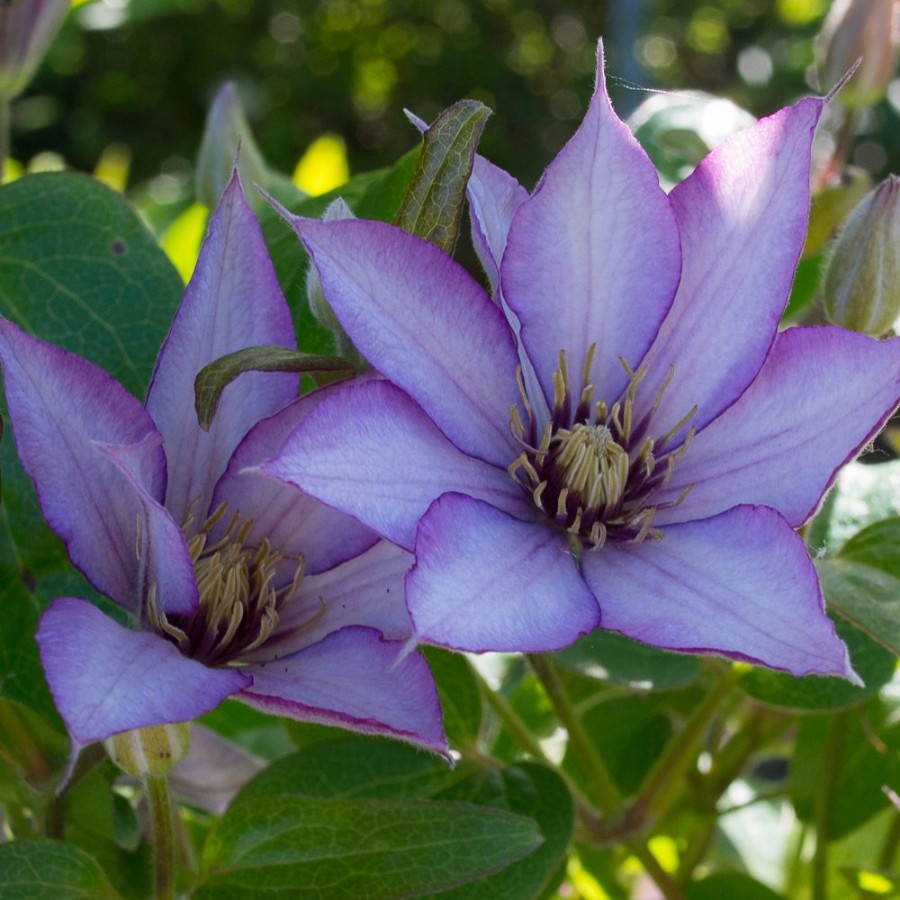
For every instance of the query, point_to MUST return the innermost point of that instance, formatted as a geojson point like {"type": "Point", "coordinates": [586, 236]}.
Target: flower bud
{"type": "Point", "coordinates": [862, 275]}
{"type": "Point", "coordinates": [26, 29]}
{"type": "Point", "coordinates": [866, 30]}
{"type": "Point", "coordinates": [149, 752]}
{"type": "Point", "coordinates": [225, 133]}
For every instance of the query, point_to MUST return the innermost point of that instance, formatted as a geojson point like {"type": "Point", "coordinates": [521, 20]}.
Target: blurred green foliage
{"type": "Point", "coordinates": [142, 73]}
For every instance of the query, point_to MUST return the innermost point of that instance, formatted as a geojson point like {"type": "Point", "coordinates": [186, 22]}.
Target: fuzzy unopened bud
{"type": "Point", "coordinates": [225, 133]}
{"type": "Point", "coordinates": [26, 29]}
{"type": "Point", "coordinates": [149, 752]}
{"type": "Point", "coordinates": [862, 276]}
{"type": "Point", "coordinates": [865, 30]}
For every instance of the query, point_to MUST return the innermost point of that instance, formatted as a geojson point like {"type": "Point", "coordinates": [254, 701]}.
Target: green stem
{"type": "Point", "coordinates": [825, 804]}
{"type": "Point", "coordinates": [510, 718]}
{"type": "Point", "coordinates": [163, 837]}
{"type": "Point", "coordinates": [668, 773]}
{"type": "Point", "coordinates": [666, 884]}
{"type": "Point", "coordinates": [605, 791]}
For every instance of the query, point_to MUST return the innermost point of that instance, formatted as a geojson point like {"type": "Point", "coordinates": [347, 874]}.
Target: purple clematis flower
{"type": "Point", "coordinates": [619, 437]}
{"type": "Point", "coordinates": [236, 585]}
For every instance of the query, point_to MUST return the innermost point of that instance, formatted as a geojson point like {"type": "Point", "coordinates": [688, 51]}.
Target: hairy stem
{"type": "Point", "coordinates": [163, 837]}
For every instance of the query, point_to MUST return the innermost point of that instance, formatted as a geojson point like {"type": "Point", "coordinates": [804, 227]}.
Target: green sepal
{"type": "Point", "coordinates": [211, 380]}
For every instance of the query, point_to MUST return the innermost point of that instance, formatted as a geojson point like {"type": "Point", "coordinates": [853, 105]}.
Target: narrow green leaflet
{"type": "Point", "coordinates": [872, 662]}
{"type": "Point", "coordinates": [49, 870]}
{"type": "Point", "coordinates": [211, 380]}
{"type": "Point", "coordinates": [459, 695]}
{"type": "Point", "coordinates": [733, 886]}
{"type": "Point", "coordinates": [362, 848]}
{"type": "Point", "coordinates": [432, 208]}
{"type": "Point", "coordinates": [612, 657]}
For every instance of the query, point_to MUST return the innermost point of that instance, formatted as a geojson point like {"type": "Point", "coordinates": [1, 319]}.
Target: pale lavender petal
{"type": "Point", "coordinates": [354, 679]}
{"type": "Point", "coordinates": [295, 523]}
{"type": "Point", "coordinates": [593, 256]}
{"type": "Point", "coordinates": [742, 215]}
{"type": "Point", "coordinates": [740, 584]}
{"type": "Point", "coordinates": [425, 324]}
{"type": "Point", "coordinates": [367, 590]}
{"type": "Point", "coordinates": [370, 451]}
{"type": "Point", "coordinates": [161, 559]}
{"type": "Point", "coordinates": [486, 581]}
{"type": "Point", "coordinates": [62, 408]}
{"type": "Point", "coordinates": [106, 678]}
{"type": "Point", "coordinates": [494, 196]}
{"type": "Point", "coordinates": [233, 301]}
{"type": "Point", "coordinates": [821, 395]}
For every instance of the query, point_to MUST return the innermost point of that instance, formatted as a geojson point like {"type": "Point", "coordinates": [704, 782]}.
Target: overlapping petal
{"type": "Point", "coordinates": [484, 580]}
{"type": "Point", "coordinates": [366, 590]}
{"type": "Point", "coordinates": [354, 678]}
{"type": "Point", "coordinates": [740, 584]}
{"type": "Point", "coordinates": [593, 256]}
{"type": "Point", "coordinates": [742, 217]}
{"type": "Point", "coordinates": [370, 451]}
{"type": "Point", "coordinates": [423, 322]}
{"type": "Point", "coordinates": [106, 678]}
{"type": "Point", "coordinates": [63, 410]}
{"type": "Point", "coordinates": [233, 301]}
{"type": "Point", "coordinates": [783, 441]}
{"type": "Point", "coordinates": [296, 523]}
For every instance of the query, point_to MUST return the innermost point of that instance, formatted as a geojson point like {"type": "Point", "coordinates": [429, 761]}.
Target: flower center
{"type": "Point", "coordinates": [592, 469]}
{"type": "Point", "coordinates": [239, 600]}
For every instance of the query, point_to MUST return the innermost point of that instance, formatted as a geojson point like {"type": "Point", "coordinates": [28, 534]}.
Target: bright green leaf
{"type": "Point", "coordinates": [49, 870]}
{"type": "Point", "coordinates": [541, 795]}
{"type": "Point", "coordinates": [432, 208]}
{"type": "Point", "coordinates": [211, 380]}
{"type": "Point", "coordinates": [361, 848]}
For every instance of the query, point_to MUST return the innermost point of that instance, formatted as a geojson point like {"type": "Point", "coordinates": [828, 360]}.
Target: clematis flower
{"type": "Point", "coordinates": [619, 437]}
{"type": "Point", "coordinates": [27, 27]}
{"type": "Point", "coordinates": [233, 584]}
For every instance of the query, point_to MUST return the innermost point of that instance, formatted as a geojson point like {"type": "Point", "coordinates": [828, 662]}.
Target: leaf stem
{"type": "Point", "coordinates": [510, 718]}
{"type": "Point", "coordinates": [669, 771]}
{"type": "Point", "coordinates": [831, 755]}
{"type": "Point", "coordinates": [5, 121]}
{"type": "Point", "coordinates": [605, 791]}
{"type": "Point", "coordinates": [163, 838]}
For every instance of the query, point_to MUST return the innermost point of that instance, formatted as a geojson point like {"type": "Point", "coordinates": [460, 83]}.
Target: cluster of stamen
{"type": "Point", "coordinates": [239, 603]}
{"type": "Point", "coordinates": [594, 469]}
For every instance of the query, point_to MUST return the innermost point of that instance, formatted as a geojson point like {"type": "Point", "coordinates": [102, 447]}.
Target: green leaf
{"type": "Point", "coordinates": [211, 380]}
{"type": "Point", "coordinates": [543, 796]}
{"type": "Point", "coordinates": [358, 847]}
{"type": "Point", "coordinates": [50, 870]}
{"type": "Point", "coordinates": [732, 886]}
{"type": "Point", "coordinates": [620, 660]}
{"type": "Point", "coordinates": [78, 269]}
{"type": "Point", "coordinates": [354, 766]}
{"type": "Point", "coordinates": [432, 208]}
{"type": "Point", "coordinates": [459, 695]}
{"type": "Point", "coordinates": [872, 662]}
